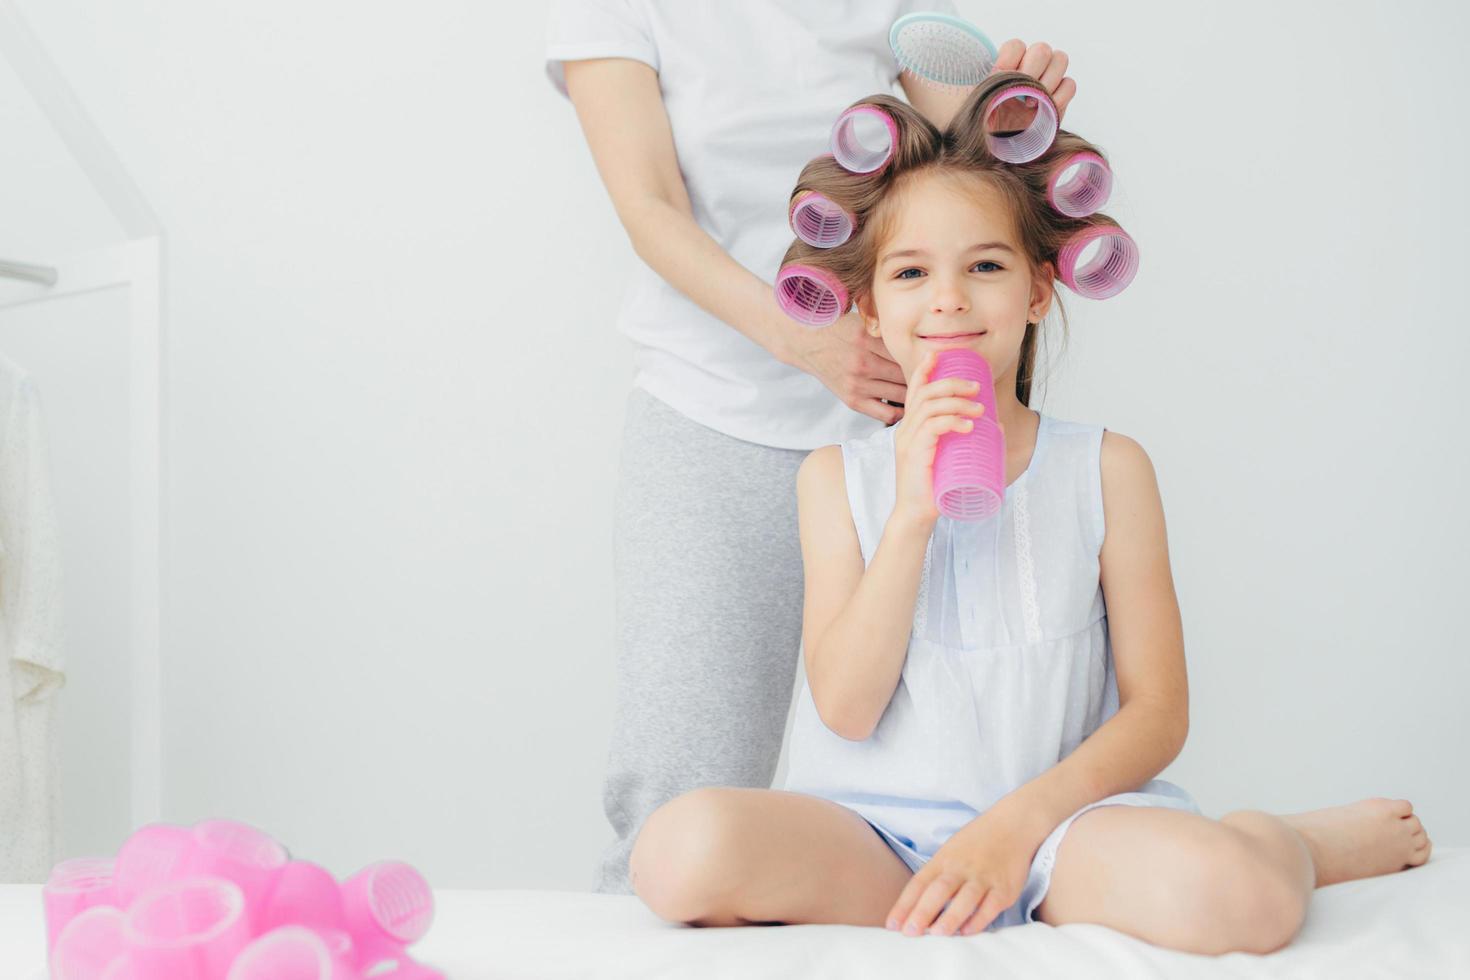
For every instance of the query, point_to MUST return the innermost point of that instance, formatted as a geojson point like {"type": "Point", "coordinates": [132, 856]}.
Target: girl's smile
{"type": "Point", "coordinates": [952, 340]}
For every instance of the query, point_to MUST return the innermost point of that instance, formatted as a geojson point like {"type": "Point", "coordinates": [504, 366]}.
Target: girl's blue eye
{"type": "Point", "coordinates": [902, 273]}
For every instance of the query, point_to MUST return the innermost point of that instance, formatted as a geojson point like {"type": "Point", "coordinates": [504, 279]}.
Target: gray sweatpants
{"type": "Point", "coordinates": [709, 594]}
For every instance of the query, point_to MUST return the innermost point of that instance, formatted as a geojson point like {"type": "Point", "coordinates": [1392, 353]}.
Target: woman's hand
{"type": "Point", "coordinates": [933, 408]}
{"type": "Point", "coordinates": [854, 365]}
{"type": "Point", "coordinates": [979, 871]}
{"type": "Point", "coordinates": [1041, 63]}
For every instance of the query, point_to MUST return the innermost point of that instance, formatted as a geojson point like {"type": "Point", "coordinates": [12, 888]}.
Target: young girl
{"type": "Point", "coordinates": [978, 693]}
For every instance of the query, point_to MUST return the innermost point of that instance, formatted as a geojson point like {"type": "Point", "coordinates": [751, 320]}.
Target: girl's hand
{"type": "Point", "coordinates": [979, 871]}
{"type": "Point", "coordinates": [854, 365]}
{"type": "Point", "coordinates": [1041, 63]}
{"type": "Point", "coordinates": [933, 408]}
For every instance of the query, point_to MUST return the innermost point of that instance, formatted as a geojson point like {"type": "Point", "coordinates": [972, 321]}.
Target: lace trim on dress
{"type": "Point", "coordinates": [921, 605]}
{"type": "Point", "coordinates": [1025, 566]}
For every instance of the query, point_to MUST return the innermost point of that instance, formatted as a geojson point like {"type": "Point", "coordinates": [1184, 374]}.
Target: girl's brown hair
{"type": "Point", "coordinates": [961, 149]}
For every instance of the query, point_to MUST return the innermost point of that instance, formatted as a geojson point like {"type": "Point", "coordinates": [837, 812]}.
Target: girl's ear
{"type": "Point", "coordinates": [1042, 290]}
{"type": "Point", "coordinates": [868, 312]}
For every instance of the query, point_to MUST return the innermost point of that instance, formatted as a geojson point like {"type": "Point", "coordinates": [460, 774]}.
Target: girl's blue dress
{"type": "Point", "coordinates": [1009, 665]}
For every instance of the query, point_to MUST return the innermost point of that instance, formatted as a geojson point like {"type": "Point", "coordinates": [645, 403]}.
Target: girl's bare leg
{"type": "Point", "coordinates": [727, 856]}
{"type": "Point", "coordinates": [1240, 883]}
{"type": "Point", "coordinates": [1360, 840]}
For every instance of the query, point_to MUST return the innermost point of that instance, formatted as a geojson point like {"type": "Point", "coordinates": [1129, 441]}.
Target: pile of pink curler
{"type": "Point", "coordinates": [222, 900]}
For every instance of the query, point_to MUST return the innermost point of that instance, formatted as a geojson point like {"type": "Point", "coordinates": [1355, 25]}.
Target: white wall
{"type": "Point", "coordinates": [388, 626]}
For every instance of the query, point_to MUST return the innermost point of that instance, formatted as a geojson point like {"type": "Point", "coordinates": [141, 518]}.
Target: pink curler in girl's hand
{"type": "Point", "coordinates": [970, 466]}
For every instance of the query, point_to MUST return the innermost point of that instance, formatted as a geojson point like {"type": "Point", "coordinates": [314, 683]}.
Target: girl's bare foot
{"type": "Point", "coordinates": [1359, 840]}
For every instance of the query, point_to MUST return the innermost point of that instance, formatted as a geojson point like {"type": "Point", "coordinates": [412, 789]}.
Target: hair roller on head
{"type": "Point", "coordinates": [810, 295]}
{"type": "Point", "coordinates": [1001, 99]}
{"type": "Point", "coordinates": [1089, 181]}
{"type": "Point", "coordinates": [1108, 270]}
{"type": "Point", "coordinates": [864, 138]}
{"type": "Point", "coordinates": [1031, 142]}
{"type": "Point", "coordinates": [820, 221]}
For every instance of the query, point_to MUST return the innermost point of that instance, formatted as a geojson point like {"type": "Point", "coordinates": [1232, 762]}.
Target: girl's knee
{"type": "Point", "coordinates": [1238, 899]}
{"type": "Point", "coordinates": [680, 865]}
{"type": "Point", "coordinates": [1278, 909]}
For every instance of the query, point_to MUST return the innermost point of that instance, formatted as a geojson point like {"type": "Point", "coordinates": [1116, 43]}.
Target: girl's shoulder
{"type": "Point", "coordinates": [1105, 447]}
{"type": "Point", "coordinates": [820, 480]}
{"type": "Point", "coordinates": [1092, 448]}
{"type": "Point", "coordinates": [1070, 428]}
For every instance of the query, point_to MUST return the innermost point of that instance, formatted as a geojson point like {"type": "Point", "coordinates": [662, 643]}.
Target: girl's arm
{"type": "Point", "coordinates": [856, 622]}
{"type": "Point", "coordinates": [1147, 639]}
{"type": "Point", "coordinates": [622, 114]}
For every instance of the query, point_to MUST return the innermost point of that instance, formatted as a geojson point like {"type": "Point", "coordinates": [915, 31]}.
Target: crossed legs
{"type": "Point", "coordinates": [722, 856]}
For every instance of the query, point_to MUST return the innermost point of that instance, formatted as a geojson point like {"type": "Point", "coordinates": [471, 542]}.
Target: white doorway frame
{"type": "Point", "coordinates": [136, 262]}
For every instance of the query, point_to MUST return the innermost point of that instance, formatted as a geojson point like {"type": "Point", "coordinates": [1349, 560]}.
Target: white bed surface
{"type": "Point", "coordinates": [1414, 923]}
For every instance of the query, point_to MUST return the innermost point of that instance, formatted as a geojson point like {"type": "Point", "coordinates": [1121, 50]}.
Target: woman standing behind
{"type": "Point", "coordinates": [698, 115]}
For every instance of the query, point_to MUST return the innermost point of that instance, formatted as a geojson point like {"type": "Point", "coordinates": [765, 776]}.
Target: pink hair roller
{"type": "Point", "coordinates": [863, 139]}
{"type": "Point", "coordinates": [292, 952]}
{"type": "Point", "coordinates": [304, 894]}
{"type": "Point", "coordinates": [1030, 142]}
{"type": "Point", "coordinates": [73, 887]}
{"type": "Point", "coordinates": [409, 969]}
{"type": "Point", "coordinates": [239, 852]}
{"type": "Point", "coordinates": [388, 906]}
{"type": "Point", "coordinates": [810, 295]}
{"type": "Point", "coordinates": [819, 221]}
{"type": "Point", "coordinates": [338, 949]}
{"type": "Point", "coordinates": [189, 929]}
{"type": "Point", "coordinates": [122, 968]}
{"type": "Point", "coordinates": [151, 855]}
{"type": "Point", "coordinates": [339, 944]}
{"type": "Point", "coordinates": [88, 944]}
{"type": "Point", "coordinates": [1085, 190]}
{"type": "Point", "coordinates": [1111, 267]}
{"type": "Point", "coordinates": [970, 466]}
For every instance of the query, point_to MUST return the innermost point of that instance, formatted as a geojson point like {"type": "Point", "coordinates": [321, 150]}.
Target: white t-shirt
{"type": "Point", "coordinates": [752, 90]}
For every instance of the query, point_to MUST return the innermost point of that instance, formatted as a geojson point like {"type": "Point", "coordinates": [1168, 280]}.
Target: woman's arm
{"type": "Point", "coordinates": [856, 622]}
{"type": "Point", "coordinates": [937, 104]}
{"type": "Point", "coordinates": [622, 113]}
